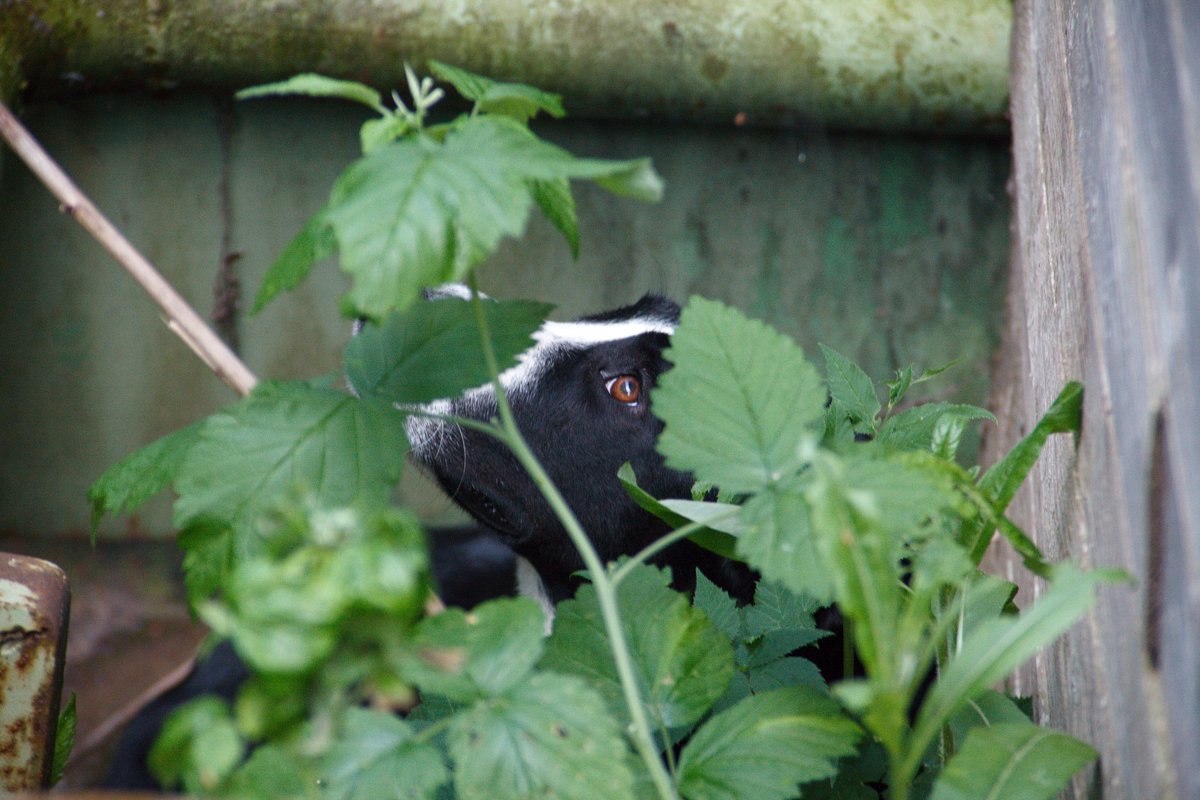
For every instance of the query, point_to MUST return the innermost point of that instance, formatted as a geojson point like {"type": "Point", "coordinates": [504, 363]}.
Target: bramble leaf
{"type": "Point", "coordinates": [1012, 761]}
{"type": "Point", "coordinates": [467, 656]}
{"type": "Point", "coordinates": [913, 429]}
{"type": "Point", "coordinates": [141, 475]}
{"type": "Point", "coordinates": [314, 243]}
{"type": "Point", "coordinates": [549, 736]}
{"type": "Point", "coordinates": [739, 402]}
{"type": "Point", "coordinates": [419, 212]}
{"type": "Point", "coordinates": [765, 746]}
{"type": "Point", "coordinates": [557, 203]}
{"type": "Point", "coordinates": [682, 662]}
{"type": "Point", "coordinates": [851, 388]}
{"type": "Point", "coordinates": [286, 436]}
{"type": "Point", "coordinates": [432, 350]}
{"type": "Point", "coordinates": [374, 756]}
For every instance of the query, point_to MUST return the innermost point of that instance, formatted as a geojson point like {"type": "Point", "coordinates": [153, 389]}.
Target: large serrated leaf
{"type": "Point", "coordinates": [374, 756]}
{"type": "Point", "coordinates": [779, 542]}
{"type": "Point", "coordinates": [1012, 761]}
{"type": "Point", "coordinates": [286, 436]}
{"type": "Point", "coordinates": [682, 663]}
{"type": "Point", "coordinates": [550, 736]}
{"type": "Point", "coordinates": [142, 474]}
{"type": "Point", "coordinates": [766, 745]}
{"type": "Point", "coordinates": [433, 350]}
{"type": "Point", "coordinates": [466, 656]}
{"type": "Point", "coordinates": [739, 402]}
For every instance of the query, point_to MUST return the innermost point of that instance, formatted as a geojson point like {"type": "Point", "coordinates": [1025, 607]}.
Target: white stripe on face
{"type": "Point", "coordinates": [556, 337]}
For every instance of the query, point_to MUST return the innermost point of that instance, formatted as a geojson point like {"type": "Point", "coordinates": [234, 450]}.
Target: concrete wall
{"type": "Point", "coordinates": [891, 249]}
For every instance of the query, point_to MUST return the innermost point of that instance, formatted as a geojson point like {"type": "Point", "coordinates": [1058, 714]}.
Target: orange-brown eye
{"type": "Point", "coordinates": [626, 388]}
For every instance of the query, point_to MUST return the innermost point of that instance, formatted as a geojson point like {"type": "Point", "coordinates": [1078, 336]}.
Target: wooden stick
{"type": "Point", "coordinates": [181, 318]}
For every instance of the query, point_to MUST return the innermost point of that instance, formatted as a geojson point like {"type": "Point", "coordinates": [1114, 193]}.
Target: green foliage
{"type": "Point", "coordinates": [682, 663]}
{"type": "Point", "coordinates": [832, 494]}
{"type": "Point", "coordinates": [765, 746]}
{"type": "Point", "coordinates": [425, 205]}
{"type": "Point", "coordinates": [1012, 761]}
{"type": "Point", "coordinates": [64, 739]}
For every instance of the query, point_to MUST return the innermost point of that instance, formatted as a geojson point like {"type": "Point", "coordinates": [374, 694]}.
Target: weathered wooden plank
{"type": "Point", "coordinates": [1106, 288]}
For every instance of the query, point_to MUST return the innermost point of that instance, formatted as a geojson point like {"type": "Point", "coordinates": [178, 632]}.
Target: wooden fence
{"type": "Point", "coordinates": [1106, 288]}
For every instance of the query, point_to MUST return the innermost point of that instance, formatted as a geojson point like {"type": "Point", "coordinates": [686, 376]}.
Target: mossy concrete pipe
{"type": "Point", "coordinates": [938, 65]}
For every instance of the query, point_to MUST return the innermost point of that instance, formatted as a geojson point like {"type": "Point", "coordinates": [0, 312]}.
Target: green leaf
{"type": "Point", "coordinates": [720, 539]}
{"type": "Point", "coordinates": [777, 609]}
{"type": "Point", "coordinates": [273, 771]}
{"type": "Point", "coordinates": [990, 708]}
{"type": "Point", "coordinates": [199, 747]}
{"type": "Point", "coordinates": [516, 100]}
{"type": "Point", "coordinates": [1001, 481]}
{"type": "Point", "coordinates": [998, 646]}
{"type": "Point", "coordinates": [344, 450]}
{"type": "Point", "coordinates": [898, 388]}
{"type": "Point", "coordinates": [780, 543]}
{"type": "Point", "coordinates": [682, 663]}
{"type": "Point", "coordinates": [64, 740]}
{"type": "Point", "coordinates": [721, 609]}
{"type": "Point", "coordinates": [315, 85]}
{"type": "Point", "coordinates": [549, 736]}
{"type": "Point", "coordinates": [555, 200]}
{"type": "Point", "coordinates": [913, 429]}
{"type": "Point", "coordinates": [861, 557]}
{"type": "Point", "coordinates": [433, 350]}
{"type": "Point", "coordinates": [854, 777]}
{"type": "Point", "coordinates": [375, 756]}
{"type": "Point", "coordinates": [1012, 761]}
{"type": "Point", "coordinates": [209, 548]}
{"type": "Point", "coordinates": [464, 656]}
{"type": "Point", "coordinates": [141, 475]}
{"type": "Point", "coordinates": [851, 388]}
{"type": "Point", "coordinates": [419, 212]}
{"type": "Point", "coordinates": [739, 402]}
{"type": "Point", "coordinates": [314, 243]}
{"type": "Point", "coordinates": [765, 746]}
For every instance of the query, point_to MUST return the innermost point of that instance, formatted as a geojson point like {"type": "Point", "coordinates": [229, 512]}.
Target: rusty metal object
{"type": "Point", "coordinates": [34, 604]}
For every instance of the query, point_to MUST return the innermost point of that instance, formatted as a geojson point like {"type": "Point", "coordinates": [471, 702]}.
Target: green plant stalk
{"type": "Point", "coordinates": [619, 573]}
{"type": "Point", "coordinates": [605, 588]}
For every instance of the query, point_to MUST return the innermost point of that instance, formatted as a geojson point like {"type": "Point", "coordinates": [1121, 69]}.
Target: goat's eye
{"type": "Point", "coordinates": [625, 388]}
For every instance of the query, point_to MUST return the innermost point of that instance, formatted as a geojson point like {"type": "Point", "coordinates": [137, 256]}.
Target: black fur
{"type": "Point", "coordinates": [581, 435]}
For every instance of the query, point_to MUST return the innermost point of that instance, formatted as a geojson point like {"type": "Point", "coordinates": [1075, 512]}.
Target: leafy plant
{"type": "Point", "coordinates": [832, 495]}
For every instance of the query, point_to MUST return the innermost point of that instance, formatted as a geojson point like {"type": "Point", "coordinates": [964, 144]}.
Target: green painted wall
{"type": "Point", "coordinates": [891, 249]}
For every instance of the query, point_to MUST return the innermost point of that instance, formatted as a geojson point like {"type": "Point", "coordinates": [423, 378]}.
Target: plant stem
{"type": "Point", "coordinates": [658, 545]}
{"type": "Point", "coordinates": [605, 588]}
{"type": "Point", "coordinates": [182, 319]}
